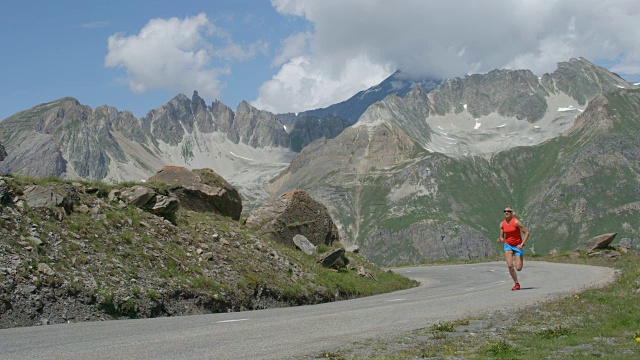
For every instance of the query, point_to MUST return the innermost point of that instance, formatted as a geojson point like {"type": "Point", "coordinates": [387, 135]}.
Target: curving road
{"type": "Point", "coordinates": [447, 293]}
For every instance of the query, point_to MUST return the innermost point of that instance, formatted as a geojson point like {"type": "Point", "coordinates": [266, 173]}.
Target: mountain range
{"type": "Point", "coordinates": [426, 176]}
{"type": "Point", "coordinates": [410, 170]}
{"type": "Point", "coordinates": [351, 109]}
{"type": "Point", "coordinates": [66, 139]}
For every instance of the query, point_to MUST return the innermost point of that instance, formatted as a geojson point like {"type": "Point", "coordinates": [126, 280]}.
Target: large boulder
{"type": "Point", "coordinates": [598, 242]}
{"type": "Point", "coordinates": [295, 213]}
{"type": "Point", "coordinates": [201, 190]}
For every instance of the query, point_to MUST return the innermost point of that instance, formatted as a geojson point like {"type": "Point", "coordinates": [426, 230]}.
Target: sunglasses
{"type": "Point", "coordinates": [508, 211]}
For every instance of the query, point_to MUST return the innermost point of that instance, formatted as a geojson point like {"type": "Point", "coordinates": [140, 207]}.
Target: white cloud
{"type": "Point", "coordinates": [177, 54]}
{"type": "Point", "coordinates": [443, 38]}
{"type": "Point", "coordinates": [302, 85]}
{"type": "Point", "coordinates": [293, 46]}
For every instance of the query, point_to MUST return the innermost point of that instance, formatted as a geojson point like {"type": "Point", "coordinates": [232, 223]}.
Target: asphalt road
{"type": "Point", "coordinates": [447, 293]}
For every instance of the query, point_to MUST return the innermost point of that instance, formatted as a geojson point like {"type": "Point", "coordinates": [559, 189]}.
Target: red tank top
{"type": "Point", "coordinates": [511, 231]}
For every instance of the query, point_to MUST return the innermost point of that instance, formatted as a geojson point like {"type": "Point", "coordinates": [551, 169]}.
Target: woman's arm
{"type": "Point", "coordinates": [524, 231]}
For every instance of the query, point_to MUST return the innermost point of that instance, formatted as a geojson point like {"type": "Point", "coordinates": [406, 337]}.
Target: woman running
{"type": "Point", "coordinates": [511, 230]}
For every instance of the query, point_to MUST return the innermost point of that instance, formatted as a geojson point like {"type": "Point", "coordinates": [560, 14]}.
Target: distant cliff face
{"type": "Point", "coordinates": [309, 128]}
{"type": "Point", "coordinates": [257, 128]}
{"type": "Point", "coordinates": [426, 175]}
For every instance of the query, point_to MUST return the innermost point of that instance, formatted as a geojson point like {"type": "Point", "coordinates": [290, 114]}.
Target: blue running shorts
{"type": "Point", "coordinates": [516, 251]}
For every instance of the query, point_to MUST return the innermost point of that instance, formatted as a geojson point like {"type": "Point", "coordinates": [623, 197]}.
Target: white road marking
{"type": "Point", "coordinates": [228, 321]}
{"type": "Point", "coordinates": [396, 300]}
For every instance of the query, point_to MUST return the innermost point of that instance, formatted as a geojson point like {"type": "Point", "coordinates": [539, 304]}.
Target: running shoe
{"type": "Point", "coordinates": [516, 287]}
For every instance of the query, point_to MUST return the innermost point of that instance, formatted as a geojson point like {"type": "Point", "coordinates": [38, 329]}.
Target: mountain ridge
{"type": "Point", "coordinates": [391, 209]}
{"type": "Point", "coordinates": [351, 109]}
{"type": "Point", "coordinates": [429, 163]}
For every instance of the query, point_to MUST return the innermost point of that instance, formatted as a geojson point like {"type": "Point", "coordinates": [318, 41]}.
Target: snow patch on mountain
{"type": "Point", "coordinates": [569, 108]}
{"type": "Point", "coordinates": [466, 135]}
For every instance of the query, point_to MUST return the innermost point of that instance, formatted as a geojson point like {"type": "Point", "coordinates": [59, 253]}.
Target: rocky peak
{"type": "Point", "coordinates": [583, 80]}
{"type": "Point", "coordinates": [257, 128]}
{"type": "Point", "coordinates": [172, 121]}
{"type": "Point", "coordinates": [123, 122]}
{"type": "Point", "coordinates": [47, 139]}
{"type": "Point", "coordinates": [520, 93]}
{"type": "Point", "coordinates": [407, 114]}
{"type": "Point", "coordinates": [66, 112]}
{"type": "Point", "coordinates": [201, 114]}
{"type": "Point", "coordinates": [169, 122]}
{"type": "Point", "coordinates": [197, 101]}
{"type": "Point", "coordinates": [398, 83]}
{"type": "Point", "coordinates": [222, 116]}
{"type": "Point", "coordinates": [516, 93]}
{"type": "Point", "coordinates": [108, 113]}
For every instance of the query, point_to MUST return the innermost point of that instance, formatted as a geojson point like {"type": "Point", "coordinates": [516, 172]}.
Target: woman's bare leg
{"type": "Point", "coordinates": [519, 262]}
{"type": "Point", "coordinates": [508, 255]}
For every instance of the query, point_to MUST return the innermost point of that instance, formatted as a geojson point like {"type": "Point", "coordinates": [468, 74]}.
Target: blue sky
{"type": "Point", "coordinates": [289, 55]}
{"type": "Point", "coordinates": [54, 49]}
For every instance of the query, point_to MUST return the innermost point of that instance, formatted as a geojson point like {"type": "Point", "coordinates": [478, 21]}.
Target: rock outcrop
{"type": "Point", "coordinates": [156, 201]}
{"type": "Point", "coordinates": [294, 213]}
{"type": "Point", "coordinates": [201, 190]}
{"type": "Point", "coordinates": [334, 259]}
{"type": "Point", "coordinates": [35, 196]}
{"type": "Point", "coordinates": [3, 152]}
{"type": "Point", "coordinates": [38, 196]}
{"type": "Point", "coordinates": [5, 195]}
{"type": "Point", "coordinates": [597, 242]}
